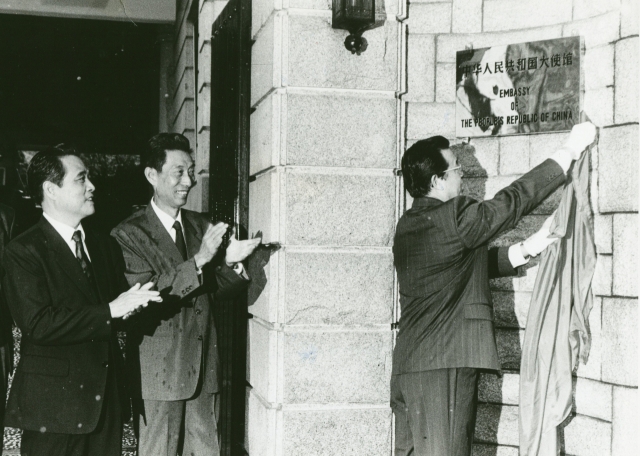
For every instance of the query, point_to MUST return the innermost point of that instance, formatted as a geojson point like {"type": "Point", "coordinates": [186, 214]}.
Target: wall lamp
{"type": "Point", "coordinates": [356, 16]}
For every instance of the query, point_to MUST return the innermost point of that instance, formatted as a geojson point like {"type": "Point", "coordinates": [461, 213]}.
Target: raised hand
{"type": "Point", "coordinates": [581, 136]}
{"type": "Point", "coordinates": [133, 300]}
{"type": "Point", "coordinates": [210, 243]}
{"type": "Point", "coordinates": [238, 251]}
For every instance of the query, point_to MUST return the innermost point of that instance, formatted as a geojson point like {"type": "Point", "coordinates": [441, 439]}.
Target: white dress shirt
{"type": "Point", "coordinates": [66, 232]}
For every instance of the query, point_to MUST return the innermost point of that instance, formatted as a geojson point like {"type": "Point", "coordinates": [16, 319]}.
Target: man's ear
{"type": "Point", "coordinates": [49, 190]}
{"type": "Point", "coordinates": [152, 176]}
{"type": "Point", "coordinates": [436, 182]}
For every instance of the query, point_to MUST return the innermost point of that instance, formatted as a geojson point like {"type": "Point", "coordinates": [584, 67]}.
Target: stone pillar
{"type": "Point", "coordinates": [325, 141]}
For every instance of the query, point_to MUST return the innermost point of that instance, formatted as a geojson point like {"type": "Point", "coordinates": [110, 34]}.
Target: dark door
{"type": "Point", "coordinates": [228, 199]}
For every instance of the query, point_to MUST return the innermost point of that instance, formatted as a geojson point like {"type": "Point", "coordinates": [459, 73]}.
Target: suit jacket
{"type": "Point", "coordinates": [7, 217]}
{"type": "Point", "coordinates": [170, 344]}
{"type": "Point", "coordinates": [68, 339]}
{"type": "Point", "coordinates": [444, 265]}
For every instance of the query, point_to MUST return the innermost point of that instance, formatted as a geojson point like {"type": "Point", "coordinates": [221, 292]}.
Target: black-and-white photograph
{"type": "Point", "coordinates": [319, 228]}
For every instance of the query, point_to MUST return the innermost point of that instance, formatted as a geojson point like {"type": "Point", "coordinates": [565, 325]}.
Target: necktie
{"type": "Point", "coordinates": [83, 259]}
{"type": "Point", "coordinates": [182, 247]}
{"type": "Point", "coordinates": [81, 255]}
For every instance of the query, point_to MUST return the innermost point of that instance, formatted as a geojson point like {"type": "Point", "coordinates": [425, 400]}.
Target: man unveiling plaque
{"type": "Point", "coordinates": [518, 88]}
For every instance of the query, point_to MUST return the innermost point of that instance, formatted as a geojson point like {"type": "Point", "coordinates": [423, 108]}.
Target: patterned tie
{"type": "Point", "coordinates": [81, 255]}
{"type": "Point", "coordinates": [182, 247]}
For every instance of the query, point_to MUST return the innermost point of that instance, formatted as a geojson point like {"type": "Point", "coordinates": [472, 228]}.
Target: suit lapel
{"type": "Point", "coordinates": [61, 253]}
{"type": "Point", "coordinates": [161, 237]}
{"type": "Point", "coordinates": [192, 234]}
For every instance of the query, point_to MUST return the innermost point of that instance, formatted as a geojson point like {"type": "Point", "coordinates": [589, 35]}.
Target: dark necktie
{"type": "Point", "coordinates": [182, 247]}
{"type": "Point", "coordinates": [81, 255]}
{"type": "Point", "coordinates": [83, 259]}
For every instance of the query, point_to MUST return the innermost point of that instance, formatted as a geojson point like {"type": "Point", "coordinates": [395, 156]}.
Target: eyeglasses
{"type": "Point", "coordinates": [454, 168]}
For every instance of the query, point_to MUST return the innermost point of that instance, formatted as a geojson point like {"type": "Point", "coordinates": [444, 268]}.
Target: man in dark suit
{"type": "Point", "coordinates": [443, 264]}
{"type": "Point", "coordinates": [63, 286]}
{"type": "Point", "coordinates": [172, 349]}
{"type": "Point", "coordinates": [6, 337]}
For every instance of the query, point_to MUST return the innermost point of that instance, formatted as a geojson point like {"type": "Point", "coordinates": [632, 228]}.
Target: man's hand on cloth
{"type": "Point", "coordinates": [581, 136]}
{"type": "Point", "coordinates": [537, 242]}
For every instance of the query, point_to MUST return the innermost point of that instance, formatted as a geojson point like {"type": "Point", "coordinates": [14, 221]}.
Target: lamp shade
{"type": "Point", "coordinates": [353, 15]}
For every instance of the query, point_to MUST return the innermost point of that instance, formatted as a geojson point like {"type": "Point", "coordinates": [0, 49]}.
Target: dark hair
{"type": "Point", "coordinates": [45, 166]}
{"type": "Point", "coordinates": [421, 162]}
{"type": "Point", "coordinates": [156, 153]}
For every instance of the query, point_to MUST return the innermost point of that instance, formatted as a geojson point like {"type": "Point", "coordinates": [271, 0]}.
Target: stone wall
{"type": "Point", "coordinates": [606, 387]}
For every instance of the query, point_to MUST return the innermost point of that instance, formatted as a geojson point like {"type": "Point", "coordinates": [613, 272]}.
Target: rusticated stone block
{"type": "Point", "coordinates": [497, 389]}
{"type": "Point", "coordinates": [603, 233]}
{"type": "Point", "coordinates": [497, 424]}
{"type": "Point", "coordinates": [263, 360]}
{"type": "Point", "coordinates": [338, 288]}
{"type": "Point", "coordinates": [265, 132]}
{"type": "Point", "coordinates": [261, 427]}
{"type": "Point", "coordinates": [421, 55]}
{"type": "Point", "coordinates": [320, 367]}
{"type": "Point", "coordinates": [430, 119]}
{"type": "Point", "coordinates": [446, 83]}
{"type": "Point", "coordinates": [511, 308]}
{"type": "Point", "coordinates": [543, 146]}
{"type": "Point", "coordinates": [627, 80]}
{"type": "Point", "coordinates": [466, 16]}
{"type": "Point", "coordinates": [625, 421]}
{"type": "Point", "coordinates": [618, 169]}
{"type": "Point", "coordinates": [587, 436]}
{"type": "Point", "coordinates": [340, 209]}
{"type": "Point", "coordinates": [595, 31]}
{"type": "Point", "coordinates": [603, 276]}
{"type": "Point", "coordinates": [584, 9]}
{"type": "Point", "coordinates": [429, 18]}
{"type": "Point", "coordinates": [629, 18]}
{"type": "Point", "coordinates": [599, 60]}
{"type": "Point", "coordinates": [593, 399]}
{"type": "Point", "coordinates": [625, 254]}
{"type": "Point", "coordinates": [263, 206]}
{"type": "Point", "coordinates": [514, 155]}
{"type": "Point", "coordinates": [479, 158]}
{"type": "Point", "coordinates": [332, 131]}
{"type": "Point", "coordinates": [509, 343]}
{"type": "Point", "coordinates": [333, 432]}
{"type": "Point", "coordinates": [505, 15]}
{"type": "Point", "coordinates": [317, 57]}
{"type": "Point", "coordinates": [265, 59]}
{"type": "Point", "coordinates": [260, 12]}
{"type": "Point", "coordinates": [598, 103]}
{"type": "Point", "coordinates": [620, 341]}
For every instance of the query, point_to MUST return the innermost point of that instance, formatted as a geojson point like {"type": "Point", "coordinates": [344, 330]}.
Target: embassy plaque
{"type": "Point", "coordinates": [518, 88]}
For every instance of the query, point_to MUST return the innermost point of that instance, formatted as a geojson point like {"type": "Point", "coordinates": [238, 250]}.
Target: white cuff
{"type": "Point", "coordinates": [515, 256]}
{"type": "Point", "coordinates": [564, 158]}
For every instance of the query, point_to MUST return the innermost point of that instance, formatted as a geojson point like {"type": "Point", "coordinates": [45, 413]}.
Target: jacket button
{"type": "Point", "coordinates": [199, 337]}
{"type": "Point", "coordinates": [198, 311]}
{"type": "Point", "coordinates": [105, 364]}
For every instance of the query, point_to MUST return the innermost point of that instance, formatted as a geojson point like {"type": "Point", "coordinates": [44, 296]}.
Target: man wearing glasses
{"type": "Point", "coordinates": [443, 264]}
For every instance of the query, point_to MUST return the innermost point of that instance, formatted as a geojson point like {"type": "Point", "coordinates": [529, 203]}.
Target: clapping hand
{"type": "Point", "coordinates": [238, 251]}
{"type": "Point", "coordinates": [211, 242]}
{"type": "Point", "coordinates": [133, 300]}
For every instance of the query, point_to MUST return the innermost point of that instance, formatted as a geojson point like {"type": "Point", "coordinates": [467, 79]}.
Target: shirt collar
{"type": "Point", "coordinates": [63, 229]}
{"type": "Point", "coordinates": [166, 220]}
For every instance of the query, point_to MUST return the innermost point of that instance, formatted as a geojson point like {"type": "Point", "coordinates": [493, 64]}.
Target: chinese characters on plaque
{"type": "Point", "coordinates": [518, 88]}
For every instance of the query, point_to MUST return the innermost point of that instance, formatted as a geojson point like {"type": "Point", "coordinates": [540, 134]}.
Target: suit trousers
{"type": "Point", "coordinates": [435, 411]}
{"type": "Point", "coordinates": [188, 428]}
{"type": "Point", "coordinates": [104, 440]}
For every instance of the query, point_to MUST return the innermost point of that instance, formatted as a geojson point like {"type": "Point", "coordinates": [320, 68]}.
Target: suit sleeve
{"type": "Point", "coordinates": [223, 281]}
{"type": "Point", "coordinates": [176, 282]}
{"type": "Point", "coordinates": [30, 301]}
{"type": "Point", "coordinates": [499, 263]}
{"type": "Point", "coordinates": [478, 222]}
